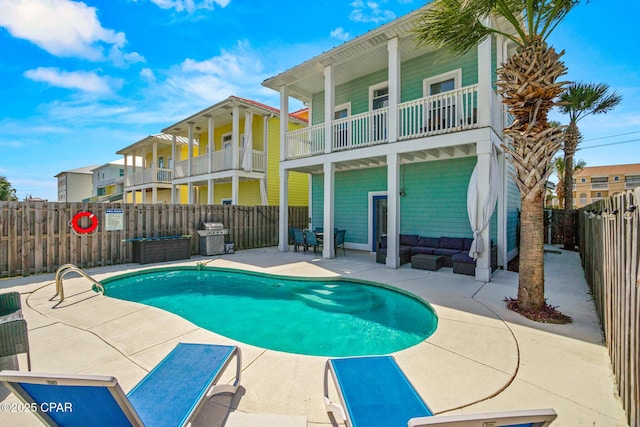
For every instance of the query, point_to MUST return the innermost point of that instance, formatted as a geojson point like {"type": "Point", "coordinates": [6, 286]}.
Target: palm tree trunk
{"type": "Point", "coordinates": [570, 144]}
{"type": "Point", "coordinates": [531, 263]}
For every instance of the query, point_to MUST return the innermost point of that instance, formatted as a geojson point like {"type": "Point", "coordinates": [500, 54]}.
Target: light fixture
{"type": "Point", "coordinates": [613, 214]}
{"type": "Point", "coordinates": [599, 215]}
{"type": "Point", "coordinates": [628, 214]}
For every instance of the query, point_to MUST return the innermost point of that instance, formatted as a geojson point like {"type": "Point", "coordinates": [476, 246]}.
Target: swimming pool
{"type": "Point", "coordinates": [320, 317]}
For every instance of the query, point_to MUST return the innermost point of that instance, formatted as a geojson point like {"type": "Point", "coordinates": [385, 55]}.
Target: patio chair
{"type": "Point", "coordinates": [312, 240]}
{"type": "Point", "coordinates": [171, 394]}
{"type": "Point", "coordinates": [373, 391]}
{"type": "Point", "coordinates": [14, 337]}
{"type": "Point", "coordinates": [339, 241]}
{"type": "Point", "coordinates": [298, 239]}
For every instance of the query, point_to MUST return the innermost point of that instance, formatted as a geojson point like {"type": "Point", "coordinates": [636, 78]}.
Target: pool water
{"type": "Point", "coordinates": [313, 317]}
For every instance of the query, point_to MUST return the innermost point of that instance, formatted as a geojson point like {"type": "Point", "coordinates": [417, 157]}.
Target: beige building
{"type": "Point", "coordinates": [76, 184]}
{"type": "Point", "coordinates": [597, 182]}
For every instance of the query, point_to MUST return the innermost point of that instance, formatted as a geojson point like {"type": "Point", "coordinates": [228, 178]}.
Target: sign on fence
{"type": "Point", "coordinates": [114, 219]}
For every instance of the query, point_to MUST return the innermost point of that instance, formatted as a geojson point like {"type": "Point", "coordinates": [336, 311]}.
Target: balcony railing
{"type": "Point", "coordinates": [220, 161]}
{"type": "Point", "coordinates": [147, 176]}
{"type": "Point", "coordinates": [447, 112]}
{"type": "Point", "coordinates": [630, 185]}
{"type": "Point", "coordinates": [599, 185]}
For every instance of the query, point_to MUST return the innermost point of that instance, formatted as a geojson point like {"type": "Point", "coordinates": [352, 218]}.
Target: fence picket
{"type": "Point", "coordinates": [609, 253]}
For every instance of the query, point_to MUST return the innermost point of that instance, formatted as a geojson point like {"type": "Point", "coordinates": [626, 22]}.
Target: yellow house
{"type": "Point", "coordinates": [593, 183]}
{"type": "Point", "coordinates": [228, 153]}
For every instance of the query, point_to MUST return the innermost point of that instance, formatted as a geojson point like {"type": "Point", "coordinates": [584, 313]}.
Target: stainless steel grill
{"type": "Point", "coordinates": [212, 236]}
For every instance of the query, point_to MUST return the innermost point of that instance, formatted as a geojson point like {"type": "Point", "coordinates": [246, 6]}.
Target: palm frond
{"type": "Point", "coordinates": [582, 99]}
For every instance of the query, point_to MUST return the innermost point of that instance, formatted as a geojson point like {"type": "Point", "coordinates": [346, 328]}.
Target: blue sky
{"type": "Point", "coordinates": [81, 80]}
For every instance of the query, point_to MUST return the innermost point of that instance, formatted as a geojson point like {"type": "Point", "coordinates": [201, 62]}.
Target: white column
{"type": "Point", "coordinates": [173, 195]}
{"type": "Point", "coordinates": [502, 211]}
{"type": "Point", "coordinates": [210, 144]}
{"type": "Point", "coordinates": [190, 193]}
{"type": "Point", "coordinates": [174, 149]}
{"type": "Point", "coordinates": [210, 193]}
{"type": "Point", "coordinates": [235, 184]}
{"type": "Point", "coordinates": [284, 124]}
{"type": "Point", "coordinates": [329, 107]}
{"type": "Point", "coordinates": [483, 262]}
{"type": "Point", "coordinates": [283, 225]}
{"type": "Point", "coordinates": [190, 154]}
{"type": "Point", "coordinates": [329, 184]}
{"type": "Point", "coordinates": [485, 91]}
{"type": "Point", "coordinates": [393, 210]}
{"type": "Point", "coordinates": [154, 173]}
{"type": "Point", "coordinates": [235, 138]}
{"type": "Point", "coordinates": [394, 88]}
{"type": "Point", "coordinates": [126, 172]}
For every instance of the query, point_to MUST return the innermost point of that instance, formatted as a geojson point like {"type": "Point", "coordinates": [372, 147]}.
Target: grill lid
{"type": "Point", "coordinates": [211, 226]}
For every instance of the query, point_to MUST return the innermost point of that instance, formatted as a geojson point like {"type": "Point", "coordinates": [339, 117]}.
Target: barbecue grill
{"type": "Point", "coordinates": [212, 237]}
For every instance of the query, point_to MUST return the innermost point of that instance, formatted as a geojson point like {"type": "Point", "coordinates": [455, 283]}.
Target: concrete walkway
{"type": "Point", "coordinates": [482, 357]}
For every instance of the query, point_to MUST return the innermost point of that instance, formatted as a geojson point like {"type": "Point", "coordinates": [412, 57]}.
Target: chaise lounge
{"type": "Point", "coordinates": [170, 395]}
{"type": "Point", "coordinates": [373, 391]}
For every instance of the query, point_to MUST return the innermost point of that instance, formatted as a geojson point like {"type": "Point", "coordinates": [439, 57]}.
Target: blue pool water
{"type": "Point", "coordinates": [314, 317]}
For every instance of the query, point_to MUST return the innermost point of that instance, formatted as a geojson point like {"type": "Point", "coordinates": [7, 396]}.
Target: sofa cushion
{"type": "Point", "coordinates": [467, 244]}
{"type": "Point", "coordinates": [446, 252]}
{"type": "Point", "coordinates": [409, 240]}
{"type": "Point", "coordinates": [429, 242]}
{"type": "Point", "coordinates": [463, 257]}
{"type": "Point", "coordinates": [452, 243]}
{"type": "Point", "coordinates": [422, 250]}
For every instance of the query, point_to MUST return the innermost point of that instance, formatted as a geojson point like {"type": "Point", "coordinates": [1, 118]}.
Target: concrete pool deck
{"type": "Point", "coordinates": [481, 358]}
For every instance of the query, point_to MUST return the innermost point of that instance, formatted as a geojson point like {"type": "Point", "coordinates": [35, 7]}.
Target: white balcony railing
{"type": "Point", "coordinates": [599, 185]}
{"type": "Point", "coordinates": [305, 142]}
{"type": "Point", "coordinates": [630, 185]}
{"type": "Point", "coordinates": [447, 112]}
{"type": "Point", "coordinates": [220, 161]}
{"type": "Point", "coordinates": [147, 176]}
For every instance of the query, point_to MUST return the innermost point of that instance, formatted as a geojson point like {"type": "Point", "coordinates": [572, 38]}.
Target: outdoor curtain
{"type": "Point", "coordinates": [479, 224]}
{"type": "Point", "coordinates": [247, 155]}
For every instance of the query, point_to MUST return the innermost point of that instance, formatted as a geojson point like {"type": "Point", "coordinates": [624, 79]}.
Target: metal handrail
{"type": "Point", "coordinates": [68, 268]}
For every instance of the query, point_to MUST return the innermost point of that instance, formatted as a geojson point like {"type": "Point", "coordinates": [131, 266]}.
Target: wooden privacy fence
{"type": "Point", "coordinates": [609, 251]}
{"type": "Point", "coordinates": [35, 237]}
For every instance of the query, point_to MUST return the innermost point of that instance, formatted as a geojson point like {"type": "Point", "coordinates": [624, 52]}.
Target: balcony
{"type": "Point", "coordinates": [599, 185]}
{"type": "Point", "coordinates": [630, 185]}
{"type": "Point", "coordinates": [147, 176]}
{"type": "Point", "coordinates": [221, 160]}
{"type": "Point", "coordinates": [452, 111]}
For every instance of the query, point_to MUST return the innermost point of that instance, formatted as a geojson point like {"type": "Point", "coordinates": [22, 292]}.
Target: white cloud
{"type": "Point", "coordinates": [63, 28]}
{"type": "Point", "coordinates": [147, 75]}
{"type": "Point", "coordinates": [340, 34]}
{"type": "Point", "coordinates": [235, 72]}
{"type": "Point", "coordinates": [80, 80]}
{"type": "Point", "coordinates": [370, 11]}
{"type": "Point", "coordinates": [189, 6]}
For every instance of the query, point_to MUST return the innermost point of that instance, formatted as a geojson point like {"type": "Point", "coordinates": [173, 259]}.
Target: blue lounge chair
{"type": "Point", "coordinates": [373, 391]}
{"type": "Point", "coordinates": [170, 395]}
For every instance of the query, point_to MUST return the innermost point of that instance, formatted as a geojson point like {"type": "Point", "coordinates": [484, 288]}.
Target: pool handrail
{"type": "Point", "coordinates": [69, 268]}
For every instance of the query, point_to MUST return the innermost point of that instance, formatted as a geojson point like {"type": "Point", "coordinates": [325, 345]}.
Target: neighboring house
{"type": "Point", "coordinates": [75, 185]}
{"type": "Point", "coordinates": [108, 182]}
{"type": "Point", "coordinates": [593, 183]}
{"type": "Point", "coordinates": [394, 134]}
{"type": "Point", "coordinates": [229, 153]}
{"type": "Point", "coordinates": [149, 178]}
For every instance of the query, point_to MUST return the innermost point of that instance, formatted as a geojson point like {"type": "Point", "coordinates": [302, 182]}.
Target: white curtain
{"type": "Point", "coordinates": [479, 224]}
{"type": "Point", "coordinates": [247, 155]}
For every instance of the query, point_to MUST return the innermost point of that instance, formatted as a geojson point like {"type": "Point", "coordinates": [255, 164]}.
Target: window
{"type": "Point", "coordinates": [583, 198]}
{"type": "Point", "coordinates": [161, 162]}
{"type": "Point", "coordinates": [341, 130]}
{"type": "Point", "coordinates": [225, 201]}
{"type": "Point", "coordinates": [121, 172]}
{"type": "Point", "coordinates": [599, 194]}
{"type": "Point", "coordinates": [442, 113]}
{"type": "Point", "coordinates": [616, 178]}
{"type": "Point", "coordinates": [378, 98]}
{"type": "Point", "coordinates": [583, 180]}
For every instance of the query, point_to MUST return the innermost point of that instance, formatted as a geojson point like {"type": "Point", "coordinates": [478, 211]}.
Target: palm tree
{"type": "Point", "coordinates": [6, 191]}
{"type": "Point", "coordinates": [528, 83]}
{"type": "Point", "coordinates": [579, 101]}
{"type": "Point", "coordinates": [558, 167]}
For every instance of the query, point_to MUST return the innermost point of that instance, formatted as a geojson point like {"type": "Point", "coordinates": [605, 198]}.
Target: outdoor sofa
{"type": "Point", "coordinates": [453, 250]}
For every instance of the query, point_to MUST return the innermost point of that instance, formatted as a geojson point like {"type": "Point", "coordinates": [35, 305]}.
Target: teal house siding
{"type": "Point", "coordinates": [513, 211]}
{"type": "Point", "coordinates": [413, 72]}
{"type": "Point", "coordinates": [435, 203]}
{"type": "Point", "coordinates": [351, 198]}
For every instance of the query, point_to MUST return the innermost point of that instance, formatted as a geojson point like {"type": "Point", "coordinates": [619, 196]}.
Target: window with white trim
{"type": "Point", "coordinates": [341, 130]}
{"type": "Point", "coordinates": [441, 113]}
